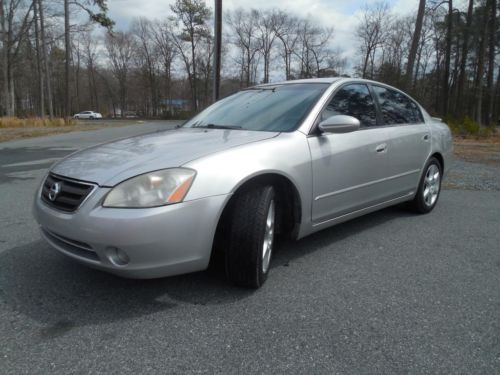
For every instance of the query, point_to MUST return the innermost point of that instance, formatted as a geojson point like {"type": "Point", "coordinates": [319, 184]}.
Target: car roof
{"type": "Point", "coordinates": [328, 80]}
{"type": "Point", "coordinates": [335, 80]}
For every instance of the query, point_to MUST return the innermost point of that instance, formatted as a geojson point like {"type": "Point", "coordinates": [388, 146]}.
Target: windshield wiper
{"type": "Point", "coordinates": [214, 126]}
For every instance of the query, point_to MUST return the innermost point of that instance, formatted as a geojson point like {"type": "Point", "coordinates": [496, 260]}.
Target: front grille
{"type": "Point", "coordinates": [80, 249]}
{"type": "Point", "coordinates": [65, 194]}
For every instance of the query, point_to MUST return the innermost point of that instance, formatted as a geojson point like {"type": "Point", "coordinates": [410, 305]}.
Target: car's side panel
{"type": "Point", "coordinates": [350, 172]}
{"type": "Point", "coordinates": [408, 147]}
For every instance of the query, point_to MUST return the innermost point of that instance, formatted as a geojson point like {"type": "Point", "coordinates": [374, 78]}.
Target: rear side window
{"type": "Point", "coordinates": [353, 100]}
{"type": "Point", "coordinates": [397, 108]}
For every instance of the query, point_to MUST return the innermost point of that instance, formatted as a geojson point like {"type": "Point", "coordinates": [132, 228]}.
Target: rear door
{"type": "Point", "coordinates": [408, 139]}
{"type": "Point", "coordinates": [349, 170]}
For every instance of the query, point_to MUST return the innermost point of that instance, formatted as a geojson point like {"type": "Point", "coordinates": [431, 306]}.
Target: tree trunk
{"type": "Point", "coordinates": [414, 43]}
{"type": "Point", "coordinates": [67, 46]}
{"type": "Point", "coordinates": [463, 62]}
{"type": "Point", "coordinates": [365, 63]}
{"type": "Point", "coordinates": [491, 61]}
{"type": "Point", "coordinates": [447, 59]}
{"type": "Point", "coordinates": [5, 61]}
{"type": "Point", "coordinates": [45, 60]}
{"type": "Point", "coordinates": [38, 62]}
{"type": "Point", "coordinates": [195, 94]}
{"type": "Point", "coordinates": [478, 84]}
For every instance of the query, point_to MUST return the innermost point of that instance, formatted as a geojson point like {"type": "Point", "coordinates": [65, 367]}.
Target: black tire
{"type": "Point", "coordinates": [420, 204]}
{"type": "Point", "coordinates": [91, 117]}
{"type": "Point", "coordinates": [246, 235]}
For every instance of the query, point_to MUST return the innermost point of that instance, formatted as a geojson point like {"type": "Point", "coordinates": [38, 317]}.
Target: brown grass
{"type": "Point", "coordinates": [485, 150]}
{"type": "Point", "coordinates": [20, 132]}
{"type": "Point", "coordinates": [34, 122]}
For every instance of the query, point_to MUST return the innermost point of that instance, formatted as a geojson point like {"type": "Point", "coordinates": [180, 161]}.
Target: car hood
{"type": "Point", "coordinates": [111, 163]}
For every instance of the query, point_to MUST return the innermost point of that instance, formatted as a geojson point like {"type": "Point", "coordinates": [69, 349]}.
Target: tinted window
{"type": "Point", "coordinates": [353, 100]}
{"type": "Point", "coordinates": [397, 108]}
{"type": "Point", "coordinates": [268, 108]}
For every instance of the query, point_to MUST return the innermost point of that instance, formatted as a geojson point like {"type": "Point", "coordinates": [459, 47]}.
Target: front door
{"type": "Point", "coordinates": [350, 170]}
{"type": "Point", "coordinates": [408, 142]}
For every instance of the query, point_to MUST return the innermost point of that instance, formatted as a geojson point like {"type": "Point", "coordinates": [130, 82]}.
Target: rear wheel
{"type": "Point", "coordinates": [251, 237]}
{"type": "Point", "coordinates": [430, 187]}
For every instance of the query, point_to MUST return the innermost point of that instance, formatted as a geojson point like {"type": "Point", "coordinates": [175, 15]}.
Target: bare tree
{"type": "Point", "coordinates": [372, 33]}
{"type": "Point", "coordinates": [89, 47]}
{"type": "Point", "coordinates": [492, 31]}
{"type": "Point", "coordinates": [478, 81]}
{"type": "Point", "coordinates": [193, 16]}
{"type": "Point", "coordinates": [286, 30]}
{"type": "Point", "coordinates": [14, 24]}
{"type": "Point", "coordinates": [266, 36]}
{"type": "Point", "coordinates": [162, 32]}
{"type": "Point", "coordinates": [244, 28]}
{"type": "Point", "coordinates": [415, 42]}
{"type": "Point", "coordinates": [148, 55]}
{"type": "Point", "coordinates": [463, 58]}
{"type": "Point", "coordinates": [100, 17]}
{"type": "Point", "coordinates": [120, 47]}
{"type": "Point", "coordinates": [45, 59]}
{"type": "Point", "coordinates": [314, 49]}
{"type": "Point", "coordinates": [39, 60]}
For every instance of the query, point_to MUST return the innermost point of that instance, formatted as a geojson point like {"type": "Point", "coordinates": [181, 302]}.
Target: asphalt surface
{"type": "Point", "coordinates": [391, 292]}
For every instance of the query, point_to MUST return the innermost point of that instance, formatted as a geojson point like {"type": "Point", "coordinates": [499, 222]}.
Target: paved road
{"type": "Point", "coordinates": [391, 292]}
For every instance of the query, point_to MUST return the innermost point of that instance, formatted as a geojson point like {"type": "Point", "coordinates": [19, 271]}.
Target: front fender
{"type": "Point", "coordinates": [224, 172]}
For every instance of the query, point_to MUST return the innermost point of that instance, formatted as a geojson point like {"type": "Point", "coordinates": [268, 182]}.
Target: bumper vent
{"type": "Point", "coordinates": [80, 249]}
{"type": "Point", "coordinates": [65, 194]}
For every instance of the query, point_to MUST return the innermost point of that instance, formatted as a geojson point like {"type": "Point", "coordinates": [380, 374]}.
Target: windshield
{"type": "Point", "coordinates": [278, 108]}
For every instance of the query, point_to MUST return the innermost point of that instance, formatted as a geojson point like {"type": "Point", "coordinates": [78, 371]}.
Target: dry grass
{"type": "Point", "coordinates": [484, 150]}
{"type": "Point", "coordinates": [34, 122]}
{"type": "Point", "coordinates": [16, 129]}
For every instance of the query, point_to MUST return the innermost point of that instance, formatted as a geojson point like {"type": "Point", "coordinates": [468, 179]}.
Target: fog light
{"type": "Point", "coordinates": [117, 256]}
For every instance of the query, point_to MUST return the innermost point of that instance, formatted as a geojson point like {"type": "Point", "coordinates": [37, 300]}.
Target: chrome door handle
{"type": "Point", "coordinates": [381, 148]}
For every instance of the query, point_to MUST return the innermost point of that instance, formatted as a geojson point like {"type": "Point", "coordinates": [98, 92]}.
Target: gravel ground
{"type": "Point", "coordinates": [466, 175]}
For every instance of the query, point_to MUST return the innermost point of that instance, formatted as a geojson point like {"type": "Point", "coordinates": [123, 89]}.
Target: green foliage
{"type": "Point", "coordinates": [467, 127]}
{"type": "Point", "coordinates": [100, 17]}
{"type": "Point", "coordinates": [193, 15]}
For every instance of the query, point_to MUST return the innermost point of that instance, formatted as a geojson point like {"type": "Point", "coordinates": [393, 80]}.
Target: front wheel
{"type": "Point", "coordinates": [429, 188]}
{"type": "Point", "coordinates": [251, 237]}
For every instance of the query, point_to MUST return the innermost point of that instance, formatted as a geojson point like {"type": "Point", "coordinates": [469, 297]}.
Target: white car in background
{"type": "Point", "coordinates": [91, 115]}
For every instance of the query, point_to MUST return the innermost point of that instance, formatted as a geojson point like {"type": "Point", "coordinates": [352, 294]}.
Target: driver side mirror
{"type": "Point", "coordinates": [339, 124]}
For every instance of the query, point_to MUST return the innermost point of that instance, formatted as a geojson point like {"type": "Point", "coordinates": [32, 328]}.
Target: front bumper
{"type": "Point", "coordinates": [159, 242]}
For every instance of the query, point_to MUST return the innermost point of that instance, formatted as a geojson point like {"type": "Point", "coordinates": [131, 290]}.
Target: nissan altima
{"type": "Point", "coordinates": [285, 159]}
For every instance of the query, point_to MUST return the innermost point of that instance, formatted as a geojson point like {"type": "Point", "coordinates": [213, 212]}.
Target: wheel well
{"type": "Point", "coordinates": [440, 159]}
{"type": "Point", "coordinates": [288, 206]}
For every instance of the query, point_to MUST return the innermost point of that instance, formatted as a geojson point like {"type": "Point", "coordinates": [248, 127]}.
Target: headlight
{"type": "Point", "coordinates": [152, 189]}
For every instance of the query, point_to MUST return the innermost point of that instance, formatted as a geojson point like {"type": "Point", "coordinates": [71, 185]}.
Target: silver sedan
{"type": "Point", "coordinates": [284, 159]}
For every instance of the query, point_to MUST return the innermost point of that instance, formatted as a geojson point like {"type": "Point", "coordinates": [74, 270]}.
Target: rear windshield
{"type": "Point", "coordinates": [278, 108]}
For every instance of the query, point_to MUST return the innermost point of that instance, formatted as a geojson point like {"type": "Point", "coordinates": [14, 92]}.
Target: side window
{"type": "Point", "coordinates": [353, 100]}
{"type": "Point", "coordinates": [397, 108]}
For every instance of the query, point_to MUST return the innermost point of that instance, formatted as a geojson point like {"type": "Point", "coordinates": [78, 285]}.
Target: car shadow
{"type": "Point", "coordinates": [288, 250]}
{"type": "Point", "coordinates": [37, 282]}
